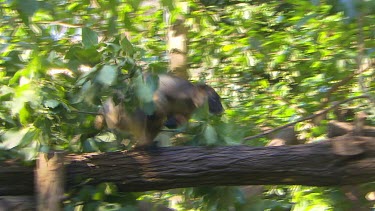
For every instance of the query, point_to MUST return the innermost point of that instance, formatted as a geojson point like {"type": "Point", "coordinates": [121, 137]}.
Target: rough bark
{"type": "Point", "coordinates": [16, 180]}
{"type": "Point", "coordinates": [177, 167]}
{"type": "Point", "coordinates": [286, 136]}
{"type": "Point", "coordinates": [17, 203]}
{"type": "Point", "coordinates": [353, 193]}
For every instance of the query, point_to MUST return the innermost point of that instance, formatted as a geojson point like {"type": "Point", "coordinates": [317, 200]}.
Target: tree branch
{"type": "Point", "coordinates": [59, 23]}
{"type": "Point", "coordinates": [344, 81]}
{"type": "Point", "coordinates": [322, 112]}
{"type": "Point", "coordinates": [179, 167]}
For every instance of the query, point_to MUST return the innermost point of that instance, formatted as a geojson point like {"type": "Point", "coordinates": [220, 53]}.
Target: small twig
{"type": "Point", "coordinates": [345, 80]}
{"type": "Point", "coordinates": [305, 118]}
{"type": "Point", "coordinates": [59, 23]}
{"type": "Point", "coordinates": [362, 67]}
{"type": "Point", "coordinates": [361, 58]}
{"type": "Point", "coordinates": [361, 50]}
{"type": "Point", "coordinates": [87, 112]}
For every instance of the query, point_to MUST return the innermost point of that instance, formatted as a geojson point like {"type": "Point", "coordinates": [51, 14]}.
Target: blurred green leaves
{"type": "Point", "coordinates": [271, 63]}
{"type": "Point", "coordinates": [26, 8]}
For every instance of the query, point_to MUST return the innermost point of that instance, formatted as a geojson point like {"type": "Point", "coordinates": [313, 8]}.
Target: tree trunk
{"type": "Point", "coordinates": [178, 48]}
{"type": "Point", "coordinates": [50, 181]}
{"type": "Point", "coordinates": [178, 167]}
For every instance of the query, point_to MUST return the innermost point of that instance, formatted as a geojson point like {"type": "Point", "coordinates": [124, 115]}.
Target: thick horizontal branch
{"type": "Point", "coordinates": [316, 164]}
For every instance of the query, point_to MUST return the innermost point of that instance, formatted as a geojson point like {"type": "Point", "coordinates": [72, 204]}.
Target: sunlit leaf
{"type": "Point", "coordinates": [14, 138]}
{"type": "Point", "coordinates": [25, 114]}
{"type": "Point", "coordinates": [264, 83]}
{"type": "Point", "coordinates": [27, 93]}
{"type": "Point", "coordinates": [51, 103]}
{"type": "Point", "coordinates": [30, 153]}
{"type": "Point", "coordinates": [227, 48]}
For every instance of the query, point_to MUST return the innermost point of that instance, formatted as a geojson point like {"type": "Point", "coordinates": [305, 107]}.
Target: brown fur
{"type": "Point", "coordinates": [175, 98]}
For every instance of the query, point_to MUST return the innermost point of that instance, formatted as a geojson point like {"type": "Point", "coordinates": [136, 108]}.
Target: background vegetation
{"type": "Point", "coordinates": [271, 61]}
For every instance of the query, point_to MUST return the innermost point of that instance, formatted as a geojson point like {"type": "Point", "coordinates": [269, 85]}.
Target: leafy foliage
{"type": "Point", "coordinates": [273, 62]}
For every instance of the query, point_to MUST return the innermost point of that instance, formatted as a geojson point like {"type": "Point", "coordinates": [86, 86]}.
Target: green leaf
{"type": "Point", "coordinates": [25, 114]}
{"type": "Point", "coordinates": [89, 56]}
{"type": "Point", "coordinates": [264, 84]}
{"type": "Point", "coordinates": [50, 103]}
{"type": "Point", "coordinates": [90, 145]}
{"type": "Point", "coordinates": [13, 138]}
{"type": "Point", "coordinates": [135, 3]}
{"type": "Point", "coordinates": [229, 47]}
{"type": "Point", "coordinates": [73, 6]}
{"type": "Point", "coordinates": [210, 135]}
{"type": "Point", "coordinates": [26, 9]}
{"type": "Point", "coordinates": [98, 196]}
{"type": "Point", "coordinates": [16, 77]}
{"type": "Point", "coordinates": [88, 92]}
{"type": "Point", "coordinates": [169, 4]}
{"type": "Point", "coordinates": [86, 193]}
{"type": "Point", "coordinates": [127, 46]}
{"type": "Point", "coordinates": [25, 93]}
{"type": "Point", "coordinates": [44, 148]}
{"type": "Point", "coordinates": [28, 138]}
{"type": "Point", "coordinates": [128, 23]}
{"type": "Point", "coordinates": [107, 75]}
{"type": "Point", "coordinates": [89, 37]}
{"type": "Point", "coordinates": [304, 20]}
{"type": "Point", "coordinates": [30, 153]}
{"type": "Point", "coordinates": [145, 88]}
{"type": "Point", "coordinates": [280, 58]}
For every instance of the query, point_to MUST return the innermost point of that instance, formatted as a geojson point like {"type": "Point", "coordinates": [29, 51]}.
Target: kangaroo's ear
{"type": "Point", "coordinates": [176, 95]}
{"type": "Point", "coordinates": [213, 98]}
